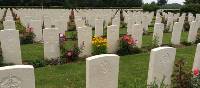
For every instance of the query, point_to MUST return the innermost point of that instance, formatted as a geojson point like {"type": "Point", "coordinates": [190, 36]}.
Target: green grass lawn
{"type": "Point", "coordinates": [133, 71]}
{"type": "Point", "coordinates": [133, 68]}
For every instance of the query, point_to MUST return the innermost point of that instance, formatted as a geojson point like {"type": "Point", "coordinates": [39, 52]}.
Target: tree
{"type": "Point", "coordinates": [162, 2]}
{"type": "Point", "coordinates": [192, 1]}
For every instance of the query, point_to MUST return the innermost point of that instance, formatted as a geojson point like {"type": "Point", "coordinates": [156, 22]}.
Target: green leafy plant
{"type": "Point", "coordinates": [38, 63]}
{"type": "Point", "coordinates": [181, 76]}
{"type": "Point", "coordinates": [155, 85]}
{"type": "Point", "coordinates": [72, 54]}
{"type": "Point", "coordinates": [26, 34]}
{"type": "Point", "coordinates": [186, 25]}
{"type": "Point", "coordinates": [198, 38]}
{"type": "Point", "coordinates": [27, 37]}
{"type": "Point", "coordinates": [154, 43]}
{"type": "Point", "coordinates": [53, 61]}
{"type": "Point", "coordinates": [186, 43]}
{"type": "Point", "coordinates": [166, 30]}
{"type": "Point", "coordinates": [68, 55]}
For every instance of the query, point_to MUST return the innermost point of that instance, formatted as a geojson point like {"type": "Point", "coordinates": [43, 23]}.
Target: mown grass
{"type": "Point", "coordinates": [133, 68]}
{"type": "Point", "coordinates": [133, 71]}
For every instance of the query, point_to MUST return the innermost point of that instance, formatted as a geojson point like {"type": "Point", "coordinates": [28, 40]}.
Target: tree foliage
{"type": "Point", "coordinates": [192, 1]}
{"type": "Point", "coordinates": [150, 7]}
{"type": "Point", "coordinates": [162, 2]}
{"type": "Point", "coordinates": [191, 6]}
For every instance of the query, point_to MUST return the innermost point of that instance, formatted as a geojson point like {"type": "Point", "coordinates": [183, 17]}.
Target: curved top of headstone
{"type": "Point", "coordinates": [16, 67]}
{"type": "Point", "coordinates": [161, 48]}
{"type": "Point", "coordinates": [103, 55]}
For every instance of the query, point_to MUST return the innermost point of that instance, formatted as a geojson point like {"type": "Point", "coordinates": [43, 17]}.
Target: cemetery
{"type": "Point", "coordinates": [100, 48]}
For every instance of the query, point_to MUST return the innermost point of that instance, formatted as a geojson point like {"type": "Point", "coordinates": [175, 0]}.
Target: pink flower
{"type": "Point", "coordinates": [61, 35]}
{"type": "Point", "coordinates": [196, 71]}
{"type": "Point", "coordinates": [69, 54]}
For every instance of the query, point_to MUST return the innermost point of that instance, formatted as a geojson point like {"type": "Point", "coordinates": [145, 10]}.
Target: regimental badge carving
{"type": "Point", "coordinates": [105, 67]}
{"type": "Point", "coordinates": [165, 60]}
{"type": "Point", "coordinates": [11, 82]}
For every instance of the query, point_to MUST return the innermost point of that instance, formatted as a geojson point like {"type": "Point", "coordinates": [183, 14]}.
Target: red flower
{"type": "Point", "coordinates": [130, 42]}
{"type": "Point", "coordinates": [196, 71]}
{"type": "Point", "coordinates": [126, 37]}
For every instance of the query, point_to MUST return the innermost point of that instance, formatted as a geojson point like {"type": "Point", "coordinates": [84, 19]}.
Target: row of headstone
{"type": "Point", "coordinates": [112, 36]}
{"type": "Point", "coordinates": [132, 18]}
{"type": "Point", "coordinates": [2, 12]}
{"type": "Point", "coordinates": [177, 27]}
{"type": "Point", "coordinates": [43, 18]}
{"type": "Point", "coordinates": [102, 71]}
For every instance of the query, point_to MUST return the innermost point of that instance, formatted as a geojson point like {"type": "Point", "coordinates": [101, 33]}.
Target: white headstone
{"type": "Point", "coordinates": [158, 33]}
{"type": "Point", "coordinates": [193, 32]}
{"type": "Point", "coordinates": [17, 76]}
{"type": "Point", "coordinates": [80, 23]}
{"type": "Point", "coordinates": [51, 43]}
{"type": "Point", "coordinates": [99, 27]}
{"type": "Point", "coordinates": [112, 38]}
{"type": "Point", "coordinates": [158, 20]}
{"type": "Point", "coordinates": [176, 34]}
{"type": "Point", "coordinates": [37, 29]}
{"type": "Point", "coordinates": [137, 34]}
{"type": "Point", "coordinates": [130, 25]}
{"type": "Point", "coordinates": [85, 40]}
{"type": "Point", "coordinates": [10, 45]}
{"type": "Point", "coordinates": [196, 63]}
{"type": "Point", "coordinates": [170, 23]}
{"type": "Point", "coordinates": [116, 21]}
{"type": "Point", "coordinates": [102, 71]}
{"type": "Point", "coordinates": [9, 24]}
{"type": "Point", "coordinates": [61, 25]}
{"type": "Point", "coordinates": [161, 65]}
{"type": "Point", "coordinates": [8, 18]}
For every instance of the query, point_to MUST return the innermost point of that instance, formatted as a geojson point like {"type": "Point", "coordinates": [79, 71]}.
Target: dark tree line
{"type": "Point", "coordinates": [192, 1]}
{"type": "Point", "coordinates": [73, 3]}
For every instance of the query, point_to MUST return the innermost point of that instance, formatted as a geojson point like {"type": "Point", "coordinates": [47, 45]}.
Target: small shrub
{"type": "Point", "coordinates": [186, 43]}
{"type": "Point", "coordinates": [127, 46]}
{"type": "Point", "coordinates": [38, 63]}
{"type": "Point", "coordinates": [186, 26]}
{"type": "Point", "coordinates": [154, 43]}
{"type": "Point", "coordinates": [68, 55]}
{"type": "Point", "coordinates": [72, 26]}
{"type": "Point", "coordinates": [166, 30]}
{"type": "Point", "coordinates": [123, 25]}
{"type": "Point", "coordinates": [74, 36]}
{"type": "Point", "coordinates": [55, 61]}
{"type": "Point", "coordinates": [155, 85]}
{"type": "Point", "coordinates": [198, 38]}
{"type": "Point", "coordinates": [99, 45]}
{"type": "Point", "coordinates": [72, 54]}
{"type": "Point", "coordinates": [27, 38]}
{"type": "Point", "coordinates": [181, 76]}
{"type": "Point", "coordinates": [26, 35]}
